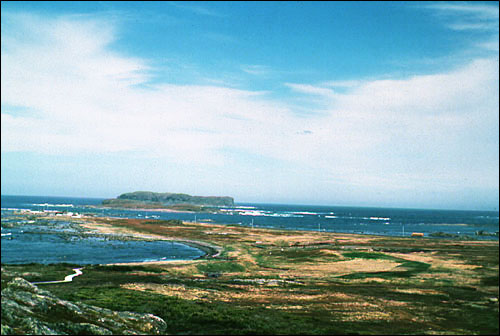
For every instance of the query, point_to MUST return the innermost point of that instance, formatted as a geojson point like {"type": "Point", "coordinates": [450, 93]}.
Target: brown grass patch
{"type": "Point", "coordinates": [347, 267]}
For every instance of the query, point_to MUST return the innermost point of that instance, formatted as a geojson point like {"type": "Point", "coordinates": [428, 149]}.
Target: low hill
{"type": "Point", "coordinates": [148, 199]}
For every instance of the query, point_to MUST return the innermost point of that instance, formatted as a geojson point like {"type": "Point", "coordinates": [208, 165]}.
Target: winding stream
{"type": "Point", "coordinates": [68, 278]}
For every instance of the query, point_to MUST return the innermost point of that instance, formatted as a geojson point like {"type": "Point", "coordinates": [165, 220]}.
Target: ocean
{"type": "Point", "coordinates": [451, 224]}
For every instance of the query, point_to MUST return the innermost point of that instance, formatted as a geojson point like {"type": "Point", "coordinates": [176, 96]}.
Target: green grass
{"type": "Point", "coordinates": [39, 272]}
{"type": "Point", "coordinates": [127, 268]}
{"type": "Point", "coordinates": [369, 255]}
{"type": "Point", "coordinates": [218, 318]}
{"type": "Point", "coordinates": [490, 280]}
{"type": "Point", "coordinates": [194, 317]}
{"type": "Point", "coordinates": [100, 286]}
{"type": "Point", "coordinates": [220, 267]}
{"type": "Point", "coordinates": [279, 258]}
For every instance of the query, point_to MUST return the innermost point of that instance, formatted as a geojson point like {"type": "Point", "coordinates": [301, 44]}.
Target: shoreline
{"type": "Point", "coordinates": [210, 250]}
{"type": "Point", "coordinates": [486, 234]}
{"type": "Point", "coordinates": [104, 225]}
{"type": "Point", "coordinates": [141, 209]}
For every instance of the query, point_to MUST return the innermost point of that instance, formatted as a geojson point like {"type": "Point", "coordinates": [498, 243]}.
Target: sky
{"type": "Point", "coordinates": [386, 104]}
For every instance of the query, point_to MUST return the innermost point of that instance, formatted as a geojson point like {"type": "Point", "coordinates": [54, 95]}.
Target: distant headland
{"type": "Point", "coordinates": [171, 201]}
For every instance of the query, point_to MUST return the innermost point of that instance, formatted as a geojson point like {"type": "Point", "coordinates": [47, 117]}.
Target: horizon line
{"type": "Point", "coordinates": [294, 204]}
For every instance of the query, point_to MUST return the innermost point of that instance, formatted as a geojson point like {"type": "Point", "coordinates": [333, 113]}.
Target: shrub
{"type": "Point", "coordinates": [220, 267]}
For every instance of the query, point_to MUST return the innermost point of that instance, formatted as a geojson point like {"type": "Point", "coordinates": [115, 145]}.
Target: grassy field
{"type": "Point", "coordinates": [293, 282]}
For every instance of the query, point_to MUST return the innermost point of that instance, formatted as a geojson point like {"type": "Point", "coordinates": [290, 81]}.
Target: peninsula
{"type": "Point", "coordinates": [170, 201]}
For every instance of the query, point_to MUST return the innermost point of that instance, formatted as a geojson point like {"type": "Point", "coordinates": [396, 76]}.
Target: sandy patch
{"type": "Point", "coordinates": [161, 262]}
{"type": "Point", "coordinates": [331, 252]}
{"type": "Point", "coordinates": [261, 294]}
{"type": "Point", "coordinates": [109, 229]}
{"type": "Point", "coordinates": [350, 266]}
{"type": "Point", "coordinates": [171, 290]}
{"type": "Point", "coordinates": [436, 262]}
{"type": "Point", "coordinates": [418, 291]}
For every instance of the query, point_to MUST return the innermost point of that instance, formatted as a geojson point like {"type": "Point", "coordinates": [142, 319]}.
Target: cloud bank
{"type": "Point", "coordinates": [65, 91]}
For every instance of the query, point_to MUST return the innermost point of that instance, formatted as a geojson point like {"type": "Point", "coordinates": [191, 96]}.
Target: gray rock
{"type": "Point", "coordinates": [88, 329]}
{"type": "Point", "coordinates": [26, 309]}
{"type": "Point", "coordinates": [23, 285]}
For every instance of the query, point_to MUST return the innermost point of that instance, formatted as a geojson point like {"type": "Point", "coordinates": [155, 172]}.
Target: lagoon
{"type": "Point", "coordinates": [47, 243]}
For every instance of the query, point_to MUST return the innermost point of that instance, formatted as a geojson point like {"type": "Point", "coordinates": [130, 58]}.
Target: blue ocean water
{"type": "Point", "coordinates": [23, 246]}
{"type": "Point", "coordinates": [378, 221]}
{"type": "Point", "coordinates": [49, 242]}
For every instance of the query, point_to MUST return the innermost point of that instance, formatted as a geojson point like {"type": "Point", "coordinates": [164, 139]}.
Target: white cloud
{"type": "Point", "coordinates": [492, 45]}
{"type": "Point", "coordinates": [453, 92]}
{"type": "Point", "coordinates": [471, 10]}
{"type": "Point", "coordinates": [88, 101]}
{"type": "Point", "coordinates": [344, 83]}
{"type": "Point", "coordinates": [440, 129]}
{"type": "Point", "coordinates": [468, 16]}
{"type": "Point", "coordinates": [257, 70]}
{"type": "Point", "coordinates": [427, 130]}
{"type": "Point", "coordinates": [311, 89]}
{"type": "Point", "coordinates": [200, 10]}
{"type": "Point", "coordinates": [473, 26]}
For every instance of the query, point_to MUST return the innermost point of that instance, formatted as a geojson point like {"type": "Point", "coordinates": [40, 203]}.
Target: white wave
{"type": "Point", "coordinates": [237, 209]}
{"type": "Point", "coordinates": [366, 218]}
{"type": "Point", "coordinates": [331, 216]}
{"type": "Point", "coordinates": [6, 234]}
{"type": "Point", "coordinates": [54, 205]}
{"type": "Point", "coordinates": [305, 213]}
{"type": "Point", "coordinates": [284, 215]}
{"type": "Point", "coordinates": [254, 213]}
{"type": "Point", "coordinates": [263, 213]}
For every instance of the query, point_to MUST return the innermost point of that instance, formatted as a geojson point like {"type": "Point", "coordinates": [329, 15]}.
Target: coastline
{"type": "Point", "coordinates": [398, 284]}
{"type": "Point", "coordinates": [210, 250]}
{"type": "Point", "coordinates": [142, 209]}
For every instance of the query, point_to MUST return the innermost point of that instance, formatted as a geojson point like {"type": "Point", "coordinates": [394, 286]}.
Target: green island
{"type": "Point", "coordinates": [263, 281]}
{"type": "Point", "coordinates": [168, 201]}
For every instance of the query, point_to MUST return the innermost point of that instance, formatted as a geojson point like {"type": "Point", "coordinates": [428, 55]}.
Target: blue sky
{"type": "Point", "coordinates": [339, 103]}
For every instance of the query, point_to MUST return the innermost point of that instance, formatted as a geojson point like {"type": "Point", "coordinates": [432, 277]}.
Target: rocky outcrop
{"type": "Point", "coordinates": [27, 309]}
{"type": "Point", "coordinates": [167, 199]}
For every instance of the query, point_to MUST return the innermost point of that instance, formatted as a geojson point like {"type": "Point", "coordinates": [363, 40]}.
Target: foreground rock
{"type": "Point", "coordinates": [27, 309]}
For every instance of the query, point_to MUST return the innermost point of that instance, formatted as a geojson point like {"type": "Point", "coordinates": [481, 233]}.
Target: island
{"type": "Point", "coordinates": [168, 201]}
